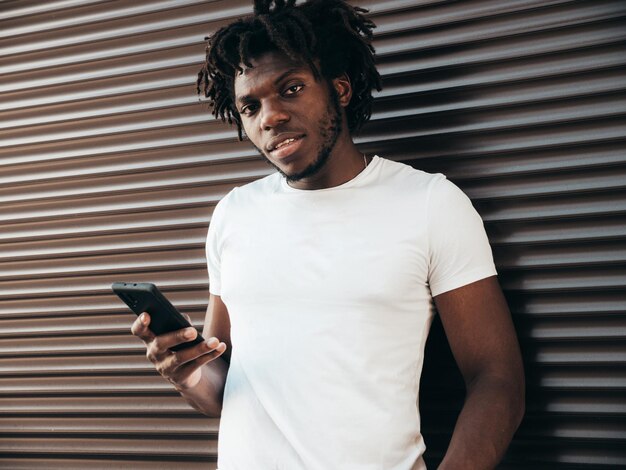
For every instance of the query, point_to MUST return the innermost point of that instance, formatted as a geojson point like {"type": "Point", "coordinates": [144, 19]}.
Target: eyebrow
{"type": "Point", "coordinates": [293, 70]}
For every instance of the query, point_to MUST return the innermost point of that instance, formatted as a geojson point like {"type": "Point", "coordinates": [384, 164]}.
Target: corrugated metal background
{"type": "Point", "coordinates": [110, 168]}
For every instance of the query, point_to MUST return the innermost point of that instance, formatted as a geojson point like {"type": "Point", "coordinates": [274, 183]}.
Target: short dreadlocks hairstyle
{"type": "Point", "coordinates": [330, 32]}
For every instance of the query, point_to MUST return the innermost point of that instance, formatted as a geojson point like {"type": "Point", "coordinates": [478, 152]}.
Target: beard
{"type": "Point", "coordinates": [329, 128]}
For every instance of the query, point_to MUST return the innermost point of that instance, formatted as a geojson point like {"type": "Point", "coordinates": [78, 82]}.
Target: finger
{"type": "Point", "coordinates": [189, 354]}
{"type": "Point", "coordinates": [140, 328]}
{"type": "Point", "coordinates": [164, 342]}
{"type": "Point", "coordinates": [187, 368]}
{"type": "Point", "coordinates": [170, 365]}
{"type": "Point", "coordinates": [188, 319]}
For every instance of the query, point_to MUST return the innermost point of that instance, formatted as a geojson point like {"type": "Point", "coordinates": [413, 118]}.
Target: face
{"type": "Point", "coordinates": [292, 119]}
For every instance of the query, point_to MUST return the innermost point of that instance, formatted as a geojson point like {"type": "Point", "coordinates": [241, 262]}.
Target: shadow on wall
{"type": "Point", "coordinates": [424, 128]}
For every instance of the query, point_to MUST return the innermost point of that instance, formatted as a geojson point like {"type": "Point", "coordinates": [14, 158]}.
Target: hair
{"type": "Point", "coordinates": [330, 32]}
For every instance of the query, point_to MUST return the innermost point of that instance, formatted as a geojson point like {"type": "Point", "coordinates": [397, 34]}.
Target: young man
{"type": "Point", "coordinates": [322, 274]}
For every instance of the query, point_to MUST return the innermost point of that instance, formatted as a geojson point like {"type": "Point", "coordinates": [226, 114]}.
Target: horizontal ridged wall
{"type": "Point", "coordinates": [110, 169]}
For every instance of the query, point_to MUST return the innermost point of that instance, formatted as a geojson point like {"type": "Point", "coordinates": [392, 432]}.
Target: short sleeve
{"type": "Point", "coordinates": [214, 244]}
{"type": "Point", "coordinates": [459, 250]}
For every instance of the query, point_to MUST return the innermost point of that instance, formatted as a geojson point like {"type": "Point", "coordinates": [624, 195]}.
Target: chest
{"type": "Point", "coordinates": [348, 253]}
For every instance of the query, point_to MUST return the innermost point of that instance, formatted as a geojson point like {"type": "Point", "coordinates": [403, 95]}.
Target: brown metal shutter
{"type": "Point", "coordinates": [109, 170]}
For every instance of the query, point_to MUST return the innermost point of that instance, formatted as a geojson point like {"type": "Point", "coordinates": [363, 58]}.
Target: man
{"type": "Point", "coordinates": [322, 274]}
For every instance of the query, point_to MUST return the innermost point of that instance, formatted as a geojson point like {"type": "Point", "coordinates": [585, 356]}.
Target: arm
{"type": "Point", "coordinates": [478, 325]}
{"type": "Point", "coordinates": [198, 372]}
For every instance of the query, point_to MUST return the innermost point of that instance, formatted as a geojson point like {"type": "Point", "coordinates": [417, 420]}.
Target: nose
{"type": "Point", "coordinates": [273, 113]}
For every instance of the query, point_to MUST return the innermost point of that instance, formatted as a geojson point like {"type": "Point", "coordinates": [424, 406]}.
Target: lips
{"type": "Point", "coordinates": [284, 142]}
{"type": "Point", "coordinates": [284, 145]}
{"type": "Point", "coordinates": [281, 140]}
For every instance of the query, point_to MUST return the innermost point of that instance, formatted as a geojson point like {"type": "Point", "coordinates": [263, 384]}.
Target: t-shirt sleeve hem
{"type": "Point", "coordinates": [463, 279]}
{"type": "Point", "coordinates": [215, 290]}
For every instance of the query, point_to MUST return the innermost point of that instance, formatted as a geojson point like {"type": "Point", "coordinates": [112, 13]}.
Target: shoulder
{"type": "Point", "coordinates": [250, 193]}
{"type": "Point", "coordinates": [407, 177]}
{"type": "Point", "coordinates": [255, 189]}
{"type": "Point", "coordinates": [433, 193]}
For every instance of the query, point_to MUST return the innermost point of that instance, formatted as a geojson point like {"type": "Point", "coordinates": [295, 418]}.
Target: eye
{"type": "Point", "coordinates": [248, 109]}
{"type": "Point", "coordinates": [293, 89]}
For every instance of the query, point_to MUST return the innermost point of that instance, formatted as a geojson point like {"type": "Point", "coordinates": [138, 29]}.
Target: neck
{"type": "Point", "coordinates": [344, 163]}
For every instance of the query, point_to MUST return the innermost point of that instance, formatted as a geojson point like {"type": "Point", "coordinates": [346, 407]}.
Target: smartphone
{"type": "Point", "coordinates": [146, 297]}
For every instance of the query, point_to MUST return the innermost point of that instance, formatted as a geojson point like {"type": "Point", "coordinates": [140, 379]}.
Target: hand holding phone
{"type": "Point", "coordinates": [175, 348]}
{"type": "Point", "coordinates": [164, 318]}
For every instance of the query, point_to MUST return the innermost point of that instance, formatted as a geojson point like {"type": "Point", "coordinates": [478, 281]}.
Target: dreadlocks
{"type": "Point", "coordinates": [336, 34]}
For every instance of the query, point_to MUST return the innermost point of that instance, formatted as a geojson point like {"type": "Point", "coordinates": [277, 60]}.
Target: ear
{"type": "Point", "coordinates": [343, 87]}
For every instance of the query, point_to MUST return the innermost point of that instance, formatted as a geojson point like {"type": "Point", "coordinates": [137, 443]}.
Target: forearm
{"type": "Point", "coordinates": [490, 416]}
{"type": "Point", "coordinates": [207, 395]}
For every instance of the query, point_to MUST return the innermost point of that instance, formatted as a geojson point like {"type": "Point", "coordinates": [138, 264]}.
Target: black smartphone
{"type": "Point", "coordinates": [146, 297]}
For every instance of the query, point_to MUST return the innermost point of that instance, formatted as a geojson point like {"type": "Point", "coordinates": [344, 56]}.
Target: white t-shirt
{"type": "Point", "coordinates": [329, 293]}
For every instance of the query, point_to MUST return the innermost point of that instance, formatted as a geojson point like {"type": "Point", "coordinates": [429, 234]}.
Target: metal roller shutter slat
{"type": "Point", "coordinates": [110, 168]}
